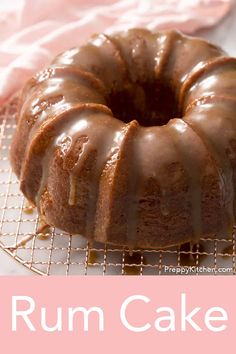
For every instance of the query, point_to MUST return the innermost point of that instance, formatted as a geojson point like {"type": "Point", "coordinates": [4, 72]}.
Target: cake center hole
{"type": "Point", "coordinates": [149, 104]}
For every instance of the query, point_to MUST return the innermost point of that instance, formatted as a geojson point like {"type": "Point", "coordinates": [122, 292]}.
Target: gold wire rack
{"type": "Point", "coordinates": [58, 253]}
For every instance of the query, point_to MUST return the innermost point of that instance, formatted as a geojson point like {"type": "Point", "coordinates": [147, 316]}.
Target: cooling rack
{"type": "Point", "coordinates": [53, 252]}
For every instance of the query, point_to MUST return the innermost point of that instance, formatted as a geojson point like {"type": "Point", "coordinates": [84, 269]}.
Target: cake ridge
{"type": "Point", "coordinates": [226, 181]}
{"type": "Point", "coordinates": [193, 171]}
{"type": "Point", "coordinates": [87, 75]}
{"type": "Point", "coordinates": [200, 73]}
{"type": "Point", "coordinates": [115, 167]}
{"type": "Point", "coordinates": [208, 99]}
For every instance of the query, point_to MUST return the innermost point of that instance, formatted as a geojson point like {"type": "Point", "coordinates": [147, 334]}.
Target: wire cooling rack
{"type": "Point", "coordinates": [51, 251]}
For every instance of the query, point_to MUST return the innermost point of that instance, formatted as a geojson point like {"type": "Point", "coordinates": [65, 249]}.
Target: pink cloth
{"type": "Point", "coordinates": [32, 32]}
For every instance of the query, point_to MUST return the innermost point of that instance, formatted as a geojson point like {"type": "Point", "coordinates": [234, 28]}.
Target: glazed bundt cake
{"type": "Point", "coordinates": [130, 139]}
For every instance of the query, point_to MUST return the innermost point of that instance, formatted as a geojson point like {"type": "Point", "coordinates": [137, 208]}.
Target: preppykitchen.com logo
{"type": "Point", "coordinates": [187, 270]}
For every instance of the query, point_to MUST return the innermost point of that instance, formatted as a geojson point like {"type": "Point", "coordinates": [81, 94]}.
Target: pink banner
{"type": "Point", "coordinates": [117, 314]}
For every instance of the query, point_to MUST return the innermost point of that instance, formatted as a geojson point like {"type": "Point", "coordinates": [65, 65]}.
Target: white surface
{"type": "Point", "coordinates": [12, 267]}
{"type": "Point", "coordinates": [223, 35]}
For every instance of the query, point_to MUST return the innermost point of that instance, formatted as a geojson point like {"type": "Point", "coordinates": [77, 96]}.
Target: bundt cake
{"type": "Point", "coordinates": [130, 139]}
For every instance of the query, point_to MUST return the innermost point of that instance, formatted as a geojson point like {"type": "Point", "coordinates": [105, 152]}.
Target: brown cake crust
{"type": "Point", "coordinates": [130, 140]}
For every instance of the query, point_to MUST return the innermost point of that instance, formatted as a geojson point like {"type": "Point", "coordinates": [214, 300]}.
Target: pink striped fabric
{"type": "Point", "coordinates": [33, 32]}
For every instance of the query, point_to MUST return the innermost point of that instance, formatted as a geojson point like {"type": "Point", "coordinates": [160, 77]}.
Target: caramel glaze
{"type": "Point", "coordinates": [156, 177]}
